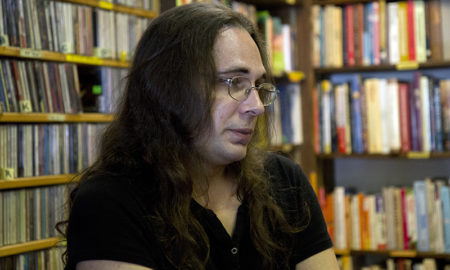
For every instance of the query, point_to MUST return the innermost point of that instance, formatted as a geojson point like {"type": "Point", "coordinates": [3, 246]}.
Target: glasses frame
{"type": "Point", "coordinates": [228, 82]}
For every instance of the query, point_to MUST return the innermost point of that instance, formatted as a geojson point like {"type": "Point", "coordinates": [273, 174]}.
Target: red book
{"type": "Point", "coordinates": [404, 218]}
{"type": "Point", "coordinates": [350, 35]}
{"type": "Point", "coordinates": [405, 135]}
{"type": "Point", "coordinates": [360, 10]}
{"type": "Point", "coordinates": [411, 31]}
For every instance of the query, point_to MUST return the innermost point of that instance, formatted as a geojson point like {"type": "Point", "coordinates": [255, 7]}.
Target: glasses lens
{"type": "Point", "coordinates": [267, 93]}
{"type": "Point", "coordinates": [238, 88]}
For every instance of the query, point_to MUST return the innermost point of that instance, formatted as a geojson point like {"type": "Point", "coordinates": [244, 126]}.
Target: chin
{"type": "Point", "coordinates": [237, 153]}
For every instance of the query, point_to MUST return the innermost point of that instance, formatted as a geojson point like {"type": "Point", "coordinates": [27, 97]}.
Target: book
{"type": "Point", "coordinates": [423, 238]}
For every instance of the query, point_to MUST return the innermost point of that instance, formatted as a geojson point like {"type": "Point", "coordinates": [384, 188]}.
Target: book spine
{"type": "Point", "coordinates": [423, 240]}
{"type": "Point", "coordinates": [411, 31]}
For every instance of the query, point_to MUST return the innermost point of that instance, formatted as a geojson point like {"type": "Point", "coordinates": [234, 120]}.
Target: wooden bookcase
{"type": "Point", "coordinates": [9, 118]}
{"type": "Point", "coordinates": [329, 167]}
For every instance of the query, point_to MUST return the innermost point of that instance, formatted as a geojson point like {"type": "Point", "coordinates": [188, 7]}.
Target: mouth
{"type": "Point", "coordinates": [242, 135]}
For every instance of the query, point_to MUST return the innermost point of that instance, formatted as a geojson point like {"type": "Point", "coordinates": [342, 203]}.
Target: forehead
{"type": "Point", "coordinates": [235, 50]}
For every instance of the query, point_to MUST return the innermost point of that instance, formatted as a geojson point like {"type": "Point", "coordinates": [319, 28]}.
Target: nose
{"type": "Point", "coordinates": [253, 104]}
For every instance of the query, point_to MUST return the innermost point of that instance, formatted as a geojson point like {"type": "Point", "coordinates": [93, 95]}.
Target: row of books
{"type": "Point", "coordinates": [142, 4]}
{"type": "Point", "coordinates": [29, 150]}
{"type": "Point", "coordinates": [32, 213]}
{"type": "Point", "coordinates": [287, 124]}
{"type": "Point", "coordinates": [280, 41]}
{"type": "Point", "coordinates": [380, 33]}
{"type": "Point", "coordinates": [35, 86]}
{"type": "Point", "coordinates": [47, 259]}
{"type": "Point", "coordinates": [69, 28]}
{"type": "Point", "coordinates": [346, 263]}
{"type": "Point", "coordinates": [102, 88]}
{"type": "Point", "coordinates": [377, 115]}
{"type": "Point", "coordinates": [397, 218]}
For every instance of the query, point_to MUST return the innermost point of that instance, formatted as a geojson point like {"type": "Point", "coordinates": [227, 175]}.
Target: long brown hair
{"type": "Point", "coordinates": [166, 106]}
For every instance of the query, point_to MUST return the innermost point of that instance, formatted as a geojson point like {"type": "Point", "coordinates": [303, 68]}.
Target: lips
{"type": "Point", "coordinates": [242, 135]}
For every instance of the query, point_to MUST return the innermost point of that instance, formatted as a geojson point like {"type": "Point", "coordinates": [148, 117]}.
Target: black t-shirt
{"type": "Point", "coordinates": [109, 221]}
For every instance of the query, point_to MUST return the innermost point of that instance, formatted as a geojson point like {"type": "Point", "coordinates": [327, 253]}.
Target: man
{"type": "Point", "coordinates": [180, 182]}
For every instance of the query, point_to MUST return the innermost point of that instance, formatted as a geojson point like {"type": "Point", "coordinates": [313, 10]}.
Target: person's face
{"type": "Point", "coordinates": [235, 54]}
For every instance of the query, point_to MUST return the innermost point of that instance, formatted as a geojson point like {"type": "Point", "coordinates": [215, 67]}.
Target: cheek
{"type": "Point", "coordinates": [222, 113]}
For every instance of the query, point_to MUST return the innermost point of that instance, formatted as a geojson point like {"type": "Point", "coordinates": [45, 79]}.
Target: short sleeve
{"type": "Point", "coordinates": [294, 194]}
{"type": "Point", "coordinates": [107, 223]}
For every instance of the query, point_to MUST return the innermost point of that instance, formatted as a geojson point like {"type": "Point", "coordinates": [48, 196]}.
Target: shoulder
{"type": "Point", "coordinates": [284, 172]}
{"type": "Point", "coordinates": [108, 222]}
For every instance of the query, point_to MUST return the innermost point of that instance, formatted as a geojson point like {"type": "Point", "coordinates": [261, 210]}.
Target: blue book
{"type": "Point", "coordinates": [423, 237]}
{"type": "Point", "coordinates": [445, 197]}
{"type": "Point", "coordinates": [286, 122]}
{"type": "Point", "coordinates": [3, 100]}
{"type": "Point", "coordinates": [438, 116]}
{"type": "Point", "coordinates": [357, 140]}
{"type": "Point", "coordinates": [367, 39]}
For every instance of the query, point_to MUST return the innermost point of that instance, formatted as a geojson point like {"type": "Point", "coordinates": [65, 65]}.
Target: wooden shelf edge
{"type": "Point", "coordinates": [28, 246]}
{"type": "Point", "coordinates": [36, 181]}
{"type": "Point", "coordinates": [392, 253]}
{"type": "Point", "coordinates": [379, 68]}
{"type": "Point", "coordinates": [27, 53]}
{"type": "Point", "coordinates": [115, 7]}
{"type": "Point", "coordinates": [55, 118]}
{"type": "Point", "coordinates": [408, 155]}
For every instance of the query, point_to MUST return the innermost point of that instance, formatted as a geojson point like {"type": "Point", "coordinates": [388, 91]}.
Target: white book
{"type": "Point", "coordinates": [328, 35]}
{"type": "Point", "coordinates": [338, 57]}
{"type": "Point", "coordinates": [371, 206]}
{"type": "Point", "coordinates": [326, 119]}
{"type": "Point", "coordinates": [286, 32]}
{"type": "Point", "coordinates": [384, 116]}
{"type": "Point", "coordinates": [388, 196]}
{"type": "Point", "coordinates": [340, 239]}
{"type": "Point", "coordinates": [445, 19]}
{"type": "Point", "coordinates": [393, 31]}
{"type": "Point", "coordinates": [425, 113]}
{"type": "Point", "coordinates": [429, 264]}
{"type": "Point", "coordinates": [355, 223]}
{"type": "Point", "coordinates": [394, 115]}
{"type": "Point", "coordinates": [420, 31]}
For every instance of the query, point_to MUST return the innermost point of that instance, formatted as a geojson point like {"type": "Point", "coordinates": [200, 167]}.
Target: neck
{"type": "Point", "coordinates": [216, 190]}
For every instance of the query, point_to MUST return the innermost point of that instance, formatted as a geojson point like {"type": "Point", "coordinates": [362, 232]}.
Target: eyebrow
{"type": "Point", "coordinates": [235, 70]}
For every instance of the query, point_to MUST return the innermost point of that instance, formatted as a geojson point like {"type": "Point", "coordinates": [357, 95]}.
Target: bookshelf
{"type": "Point", "coordinates": [55, 118]}
{"type": "Point", "coordinates": [370, 171]}
{"type": "Point", "coordinates": [25, 53]}
{"type": "Point", "coordinates": [28, 247]}
{"type": "Point", "coordinates": [27, 182]}
{"type": "Point", "coordinates": [59, 79]}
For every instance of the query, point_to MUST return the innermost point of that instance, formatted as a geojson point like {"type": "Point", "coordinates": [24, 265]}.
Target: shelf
{"type": "Point", "coordinates": [28, 246]}
{"type": "Point", "coordinates": [45, 180]}
{"type": "Point", "coordinates": [380, 68]}
{"type": "Point", "coordinates": [115, 7]}
{"type": "Point", "coordinates": [393, 253]}
{"type": "Point", "coordinates": [408, 155]}
{"type": "Point", "coordinates": [339, 2]}
{"type": "Point", "coordinates": [274, 3]}
{"type": "Point", "coordinates": [60, 57]}
{"type": "Point", "coordinates": [54, 117]}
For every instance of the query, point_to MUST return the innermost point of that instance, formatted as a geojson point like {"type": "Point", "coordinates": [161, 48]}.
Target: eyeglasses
{"type": "Point", "coordinates": [239, 89]}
